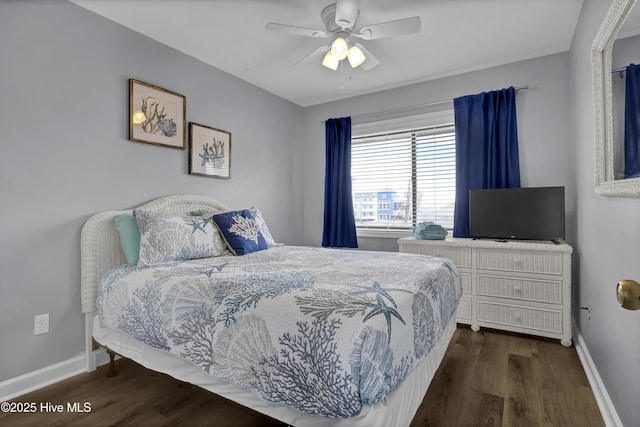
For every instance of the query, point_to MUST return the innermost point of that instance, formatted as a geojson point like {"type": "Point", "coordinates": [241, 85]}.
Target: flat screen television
{"type": "Point", "coordinates": [533, 213]}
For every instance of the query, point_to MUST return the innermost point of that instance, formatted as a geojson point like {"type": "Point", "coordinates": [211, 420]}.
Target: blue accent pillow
{"type": "Point", "coordinates": [129, 233]}
{"type": "Point", "coordinates": [257, 214]}
{"type": "Point", "coordinates": [240, 231]}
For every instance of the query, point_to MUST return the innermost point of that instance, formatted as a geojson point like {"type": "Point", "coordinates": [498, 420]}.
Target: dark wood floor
{"type": "Point", "coordinates": [491, 378]}
{"type": "Point", "coordinates": [487, 378]}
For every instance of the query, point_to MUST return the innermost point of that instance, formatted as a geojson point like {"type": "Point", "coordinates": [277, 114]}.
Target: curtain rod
{"type": "Point", "coordinates": [414, 107]}
{"type": "Point", "coordinates": [617, 70]}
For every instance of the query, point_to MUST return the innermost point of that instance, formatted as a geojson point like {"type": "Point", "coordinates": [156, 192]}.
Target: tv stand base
{"type": "Point", "coordinates": [518, 285]}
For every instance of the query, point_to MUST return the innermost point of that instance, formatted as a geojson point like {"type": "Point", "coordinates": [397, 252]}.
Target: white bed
{"type": "Point", "coordinates": [101, 251]}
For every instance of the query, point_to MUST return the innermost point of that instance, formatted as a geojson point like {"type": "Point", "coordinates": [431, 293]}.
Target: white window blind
{"type": "Point", "coordinates": [404, 177]}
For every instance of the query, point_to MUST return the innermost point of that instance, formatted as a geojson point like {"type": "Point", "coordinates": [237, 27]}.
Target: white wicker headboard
{"type": "Point", "coordinates": [100, 248]}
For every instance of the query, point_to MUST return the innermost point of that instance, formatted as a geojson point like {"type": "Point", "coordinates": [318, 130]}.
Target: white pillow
{"type": "Point", "coordinates": [172, 237]}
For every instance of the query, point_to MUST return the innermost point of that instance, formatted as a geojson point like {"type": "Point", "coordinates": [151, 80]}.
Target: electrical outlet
{"type": "Point", "coordinates": [41, 324]}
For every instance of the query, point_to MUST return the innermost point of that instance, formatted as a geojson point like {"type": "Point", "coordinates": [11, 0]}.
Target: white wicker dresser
{"type": "Point", "coordinates": [519, 286]}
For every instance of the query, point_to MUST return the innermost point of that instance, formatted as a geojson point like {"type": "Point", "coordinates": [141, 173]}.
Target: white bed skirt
{"type": "Point", "coordinates": [397, 410]}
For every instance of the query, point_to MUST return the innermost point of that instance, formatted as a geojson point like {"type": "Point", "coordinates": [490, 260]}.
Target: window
{"type": "Point", "coordinates": [404, 176]}
{"type": "Point", "coordinates": [384, 205]}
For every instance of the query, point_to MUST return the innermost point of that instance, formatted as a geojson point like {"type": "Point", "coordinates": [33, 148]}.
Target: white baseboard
{"type": "Point", "coordinates": [605, 404]}
{"type": "Point", "coordinates": [15, 387]}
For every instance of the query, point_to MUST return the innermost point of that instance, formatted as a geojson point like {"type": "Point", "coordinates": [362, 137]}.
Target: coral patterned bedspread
{"type": "Point", "coordinates": [320, 330]}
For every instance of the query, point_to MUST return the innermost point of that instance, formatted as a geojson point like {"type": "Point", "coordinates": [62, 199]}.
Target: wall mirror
{"type": "Point", "coordinates": [622, 21]}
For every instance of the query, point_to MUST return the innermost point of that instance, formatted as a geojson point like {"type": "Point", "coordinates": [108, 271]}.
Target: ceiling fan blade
{"type": "Point", "coordinates": [371, 61]}
{"type": "Point", "coordinates": [347, 13]}
{"type": "Point", "coordinates": [290, 29]}
{"type": "Point", "coordinates": [392, 28]}
{"type": "Point", "coordinates": [315, 54]}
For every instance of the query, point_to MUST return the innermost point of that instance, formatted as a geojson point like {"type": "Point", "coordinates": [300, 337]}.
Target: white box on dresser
{"type": "Point", "coordinates": [513, 285]}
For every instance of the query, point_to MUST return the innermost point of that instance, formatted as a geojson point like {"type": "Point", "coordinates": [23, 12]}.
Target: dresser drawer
{"type": "Point", "coordinates": [461, 257]}
{"type": "Point", "coordinates": [465, 281]}
{"type": "Point", "coordinates": [517, 316]}
{"type": "Point", "coordinates": [520, 261]}
{"type": "Point", "coordinates": [464, 310]}
{"type": "Point", "coordinates": [547, 291]}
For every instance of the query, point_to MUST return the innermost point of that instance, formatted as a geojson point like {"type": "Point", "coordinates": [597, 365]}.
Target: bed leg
{"type": "Point", "coordinates": [112, 364]}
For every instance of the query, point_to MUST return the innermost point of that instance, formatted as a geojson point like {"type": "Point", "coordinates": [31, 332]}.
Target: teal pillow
{"type": "Point", "coordinates": [240, 232]}
{"type": "Point", "coordinates": [129, 232]}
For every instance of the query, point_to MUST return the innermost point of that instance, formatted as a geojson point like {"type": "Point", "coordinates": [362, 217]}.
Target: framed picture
{"type": "Point", "coordinates": [156, 115]}
{"type": "Point", "coordinates": [209, 151]}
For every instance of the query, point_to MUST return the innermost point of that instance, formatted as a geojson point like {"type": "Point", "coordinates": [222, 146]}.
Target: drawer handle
{"type": "Point", "coordinates": [518, 289]}
{"type": "Point", "coordinates": [517, 316]}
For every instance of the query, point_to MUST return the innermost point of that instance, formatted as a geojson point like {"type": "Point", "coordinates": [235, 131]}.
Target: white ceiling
{"type": "Point", "coordinates": [457, 36]}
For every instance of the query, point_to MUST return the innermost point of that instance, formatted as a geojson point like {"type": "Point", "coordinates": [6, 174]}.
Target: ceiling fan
{"type": "Point", "coordinates": [340, 21]}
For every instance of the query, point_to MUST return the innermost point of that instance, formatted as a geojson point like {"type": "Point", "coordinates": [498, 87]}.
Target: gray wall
{"type": "Point", "coordinates": [608, 241]}
{"type": "Point", "coordinates": [65, 155]}
{"type": "Point", "coordinates": [543, 129]}
{"type": "Point", "coordinates": [625, 51]}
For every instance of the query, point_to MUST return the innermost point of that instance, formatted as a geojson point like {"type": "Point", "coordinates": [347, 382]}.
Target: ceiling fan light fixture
{"type": "Point", "coordinates": [339, 48]}
{"type": "Point", "coordinates": [339, 20]}
{"type": "Point", "coordinates": [356, 56]}
{"type": "Point", "coordinates": [330, 61]}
